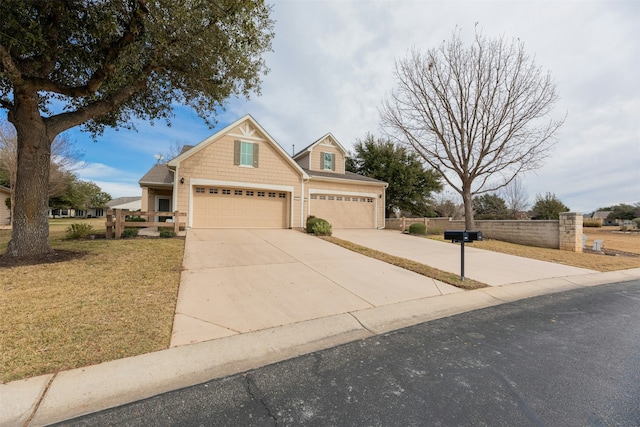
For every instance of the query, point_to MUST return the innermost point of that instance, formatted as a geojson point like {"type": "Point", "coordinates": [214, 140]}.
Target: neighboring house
{"type": "Point", "coordinates": [241, 178]}
{"type": "Point", "coordinates": [5, 212]}
{"type": "Point", "coordinates": [126, 203]}
{"type": "Point", "coordinates": [602, 216]}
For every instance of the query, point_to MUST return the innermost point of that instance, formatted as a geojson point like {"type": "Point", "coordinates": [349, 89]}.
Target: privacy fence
{"type": "Point", "coordinates": [564, 234]}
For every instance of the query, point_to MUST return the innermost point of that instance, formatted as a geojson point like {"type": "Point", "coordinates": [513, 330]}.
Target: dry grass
{"type": "Point", "coordinates": [116, 301]}
{"type": "Point", "coordinates": [410, 265]}
{"type": "Point", "coordinates": [592, 261]}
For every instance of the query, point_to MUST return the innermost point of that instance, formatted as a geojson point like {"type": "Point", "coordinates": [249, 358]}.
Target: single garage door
{"type": "Point", "coordinates": [218, 207]}
{"type": "Point", "coordinates": [343, 211]}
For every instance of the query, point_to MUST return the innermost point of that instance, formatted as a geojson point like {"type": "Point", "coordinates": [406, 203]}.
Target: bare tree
{"type": "Point", "coordinates": [515, 195]}
{"type": "Point", "coordinates": [174, 150]}
{"type": "Point", "coordinates": [473, 113]}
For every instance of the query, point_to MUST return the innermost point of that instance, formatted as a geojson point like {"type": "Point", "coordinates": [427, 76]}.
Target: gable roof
{"type": "Point", "coordinates": [311, 146]}
{"type": "Point", "coordinates": [159, 174]}
{"type": "Point", "coordinates": [347, 175]}
{"type": "Point", "coordinates": [122, 200]}
{"type": "Point", "coordinates": [248, 119]}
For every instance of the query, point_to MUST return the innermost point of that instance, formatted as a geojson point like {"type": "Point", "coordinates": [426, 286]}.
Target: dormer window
{"type": "Point", "coordinates": [245, 154]}
{"type": "Point", "coordinates": [328, 161]}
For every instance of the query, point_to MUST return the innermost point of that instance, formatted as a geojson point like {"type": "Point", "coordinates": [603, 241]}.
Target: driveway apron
{"type": "Point", "coordinates": [237, 281]}
{"type": "Point", "coordinates": [491, 268]}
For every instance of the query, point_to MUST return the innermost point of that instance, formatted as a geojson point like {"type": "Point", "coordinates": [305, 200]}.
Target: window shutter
{"type": "Point", "coordinates": [256, 150]}
{"type": "Point", "coordinates": [321, 161]}
{"type": "Point", "coordinates": [236, 152]}
{"type": "Point", "coordinates": [333, 162]}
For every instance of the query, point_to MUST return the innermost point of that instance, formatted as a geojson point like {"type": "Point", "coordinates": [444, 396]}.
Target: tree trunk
{"type": "Point", "coordinates": [30, 235]}
{"type": "Point", "coordinates": [469, 223]}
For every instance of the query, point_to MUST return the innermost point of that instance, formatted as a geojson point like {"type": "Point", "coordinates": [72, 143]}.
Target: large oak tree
{"type": "Point", "coordinates": [476, 114]}
{"type": "Point", "coordinates": [65, 63]}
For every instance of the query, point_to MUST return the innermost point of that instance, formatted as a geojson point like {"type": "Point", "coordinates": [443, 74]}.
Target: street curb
{"type": "Point", "coordinates": [76, 392]}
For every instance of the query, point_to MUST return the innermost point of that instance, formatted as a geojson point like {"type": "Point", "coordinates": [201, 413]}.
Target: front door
{"type": "Point", "coordinates": [164, 205]}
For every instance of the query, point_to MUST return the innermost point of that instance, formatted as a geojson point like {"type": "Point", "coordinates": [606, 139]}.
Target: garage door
{"type": "Point", "coordinates": [218, 207]}
{"type": "Point", "coordinates": [343, 211]}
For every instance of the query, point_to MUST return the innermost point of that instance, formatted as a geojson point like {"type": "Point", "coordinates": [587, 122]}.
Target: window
{"type": "Point", "coordinates": [328, 162]}
{"type": "Point", "coordinates": [225, 191]}
{"type": "Point", "coordinates": [213, 191]}
{"type": "Point", "coordinates": [237, 192]}
{"type": "Point", "coordinates": [272, 194]}
{"type": "Point", "coordinates": [245, 154]}
{"type": "Point", "coordinates": [346, 199]}
{"type": "Point", "coordinates": [314, 196]}
{"type": "Point", "coordinates": [369, 200]}
{"type": "Point", "coordinates": [260, 193]}
{"type": "Point", "coordinates": [249, 193]}
{"type": "Point", "coordinates": [331, 198]}
{"type": "Point", "coordinates": [323, 197]}
{"type": "Point", "coordinates": [199, 189]}
{"type": "Point", "coordinates": [339, 198]}
{"type": "Point", "coordinates": [282, 195]}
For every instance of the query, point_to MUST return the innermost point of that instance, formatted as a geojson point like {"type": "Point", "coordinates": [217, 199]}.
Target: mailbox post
{"type": "Point", "coordinates": [462, 236]}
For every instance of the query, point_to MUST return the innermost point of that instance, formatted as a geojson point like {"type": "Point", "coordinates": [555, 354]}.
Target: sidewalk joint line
{"type": "Point", "coordinates": [40, 400]}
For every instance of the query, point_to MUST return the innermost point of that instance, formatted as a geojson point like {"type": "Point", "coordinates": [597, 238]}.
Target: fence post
{"type": "Point", "coordinates": [403, 226]}
{"type": "Point", "coordinates": [109, 224]}
{"type": "Point", "coordinates": [119, 223]}
{"type": "Point", "coordinates": [176, 222]}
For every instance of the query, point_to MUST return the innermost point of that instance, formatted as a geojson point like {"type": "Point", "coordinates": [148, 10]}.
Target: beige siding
{"type": "Point", "coordinates": [5, 212]}
{"type": "Point", "coordinates": [215, 163]}
{"type": "Point", "coordinates": [144, 202]}
{"type": "Point", "coordinates": [315, 158]}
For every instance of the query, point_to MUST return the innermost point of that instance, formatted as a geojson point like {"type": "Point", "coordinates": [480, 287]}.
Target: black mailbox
{"type": "Point", "coordinates": [462, 235]}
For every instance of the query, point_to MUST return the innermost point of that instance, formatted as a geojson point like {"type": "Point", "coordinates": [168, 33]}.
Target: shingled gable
{"type": "Point", "coordinates": [244, 120]}
{"type": "Point", "coordinates": [311, 146]}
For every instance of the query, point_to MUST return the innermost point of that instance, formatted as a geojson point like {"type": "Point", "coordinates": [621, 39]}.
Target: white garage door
{"type": "Point", "coordinates": [219, 207]}
{"type": "Point", "coordinates": [344, 211]}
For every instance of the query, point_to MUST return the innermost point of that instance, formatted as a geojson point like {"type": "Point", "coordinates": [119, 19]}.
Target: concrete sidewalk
{"type": "Point", "coordinates": [362, 305]}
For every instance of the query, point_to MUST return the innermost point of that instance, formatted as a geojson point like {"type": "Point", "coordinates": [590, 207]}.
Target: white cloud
{"type": "Point", "coordinates": [333, 63]}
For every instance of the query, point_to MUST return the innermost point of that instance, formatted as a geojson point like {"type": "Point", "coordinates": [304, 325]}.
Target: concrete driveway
{"type": "Point", "coordinates": [237, 281]}
{"type": "Point", "coordinates": [492, 268]}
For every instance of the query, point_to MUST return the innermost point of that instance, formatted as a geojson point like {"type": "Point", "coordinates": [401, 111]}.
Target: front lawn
{"type": "Point", "coordinates": [116, 300]}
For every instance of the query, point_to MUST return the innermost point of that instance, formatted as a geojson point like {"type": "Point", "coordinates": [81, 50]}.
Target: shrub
{"type": "Point", "coordinates": [418, 228]}
{"type": "Point", "coordinates": [129, 232]}
{"type": "Point", "coordinates": [311, 221]}
{"type": "Point", "coordinates": [592, 223]}
{"type": "Point", "coordinates": [167, 233]}
{"type": "Point", "coordinates": [322, 228]}
{"type": "Point", "coordinates": [135, 219]}
{"type": "Point", "coordinates": [79, 230]}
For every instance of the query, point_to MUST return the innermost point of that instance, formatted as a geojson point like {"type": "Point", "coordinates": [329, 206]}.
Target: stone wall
{"type": "Point", "coordinates": [565, 234]}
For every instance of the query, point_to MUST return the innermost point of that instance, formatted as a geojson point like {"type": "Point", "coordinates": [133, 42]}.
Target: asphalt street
{"type": "Point", "coordinates": [567, 359]}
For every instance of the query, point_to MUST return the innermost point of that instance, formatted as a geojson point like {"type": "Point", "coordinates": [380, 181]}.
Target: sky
{"type": "Point", "coordinates": [332, 65]}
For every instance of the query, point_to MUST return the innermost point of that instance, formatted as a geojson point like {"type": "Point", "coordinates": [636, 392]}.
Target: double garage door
{"type": "Point", "coordinates": [225, 207]}
{"type": "Point", "coordinates": [344, 211]}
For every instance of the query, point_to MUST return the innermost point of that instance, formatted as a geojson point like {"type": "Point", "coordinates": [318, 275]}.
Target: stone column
{"type": "Point", "coordinates": [571, 231]}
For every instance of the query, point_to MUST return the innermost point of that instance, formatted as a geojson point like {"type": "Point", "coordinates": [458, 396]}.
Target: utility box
{"type": "Point", "coordinates": [462, 235]}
